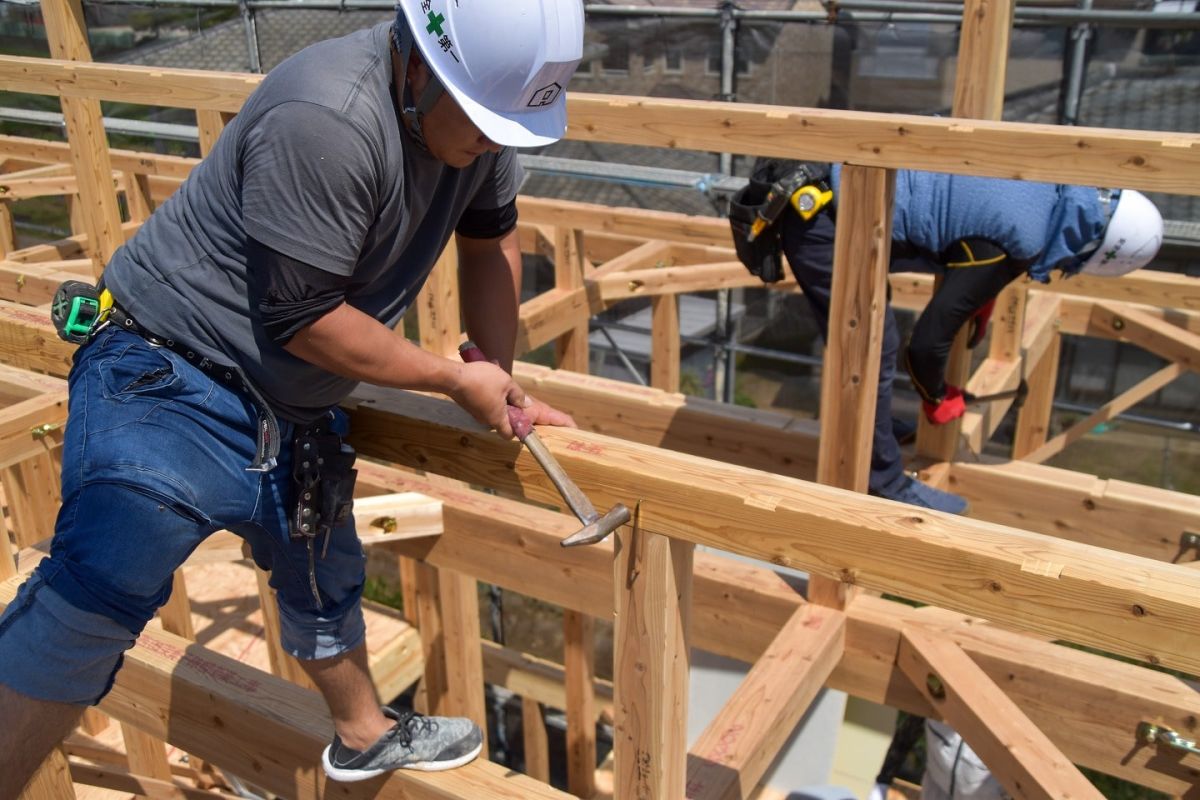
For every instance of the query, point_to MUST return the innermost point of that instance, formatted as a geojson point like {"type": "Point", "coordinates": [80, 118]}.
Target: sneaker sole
{"type": "Point", "coordinates": [353, 775]}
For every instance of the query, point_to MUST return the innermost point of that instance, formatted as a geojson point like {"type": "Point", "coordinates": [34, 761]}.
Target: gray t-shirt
{"type": "Point", "coordinates": [318, 167]}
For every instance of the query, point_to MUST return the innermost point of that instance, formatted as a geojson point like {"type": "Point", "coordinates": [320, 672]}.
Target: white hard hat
{"type": "Point", "coordinates": [1132, 238]}
{"type": "Point", "coordinates": [505, 62]}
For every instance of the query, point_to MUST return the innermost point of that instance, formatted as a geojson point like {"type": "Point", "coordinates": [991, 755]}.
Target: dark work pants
{"type": "Point", "coordinates": [809, 250]}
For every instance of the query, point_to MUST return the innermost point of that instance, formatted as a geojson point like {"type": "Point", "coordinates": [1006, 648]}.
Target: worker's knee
{"type": "Point", "coordinates": [52, 650]}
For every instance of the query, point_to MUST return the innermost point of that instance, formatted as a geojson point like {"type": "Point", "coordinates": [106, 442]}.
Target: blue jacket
{"type": "Point", "coordinates": [1044, 223]}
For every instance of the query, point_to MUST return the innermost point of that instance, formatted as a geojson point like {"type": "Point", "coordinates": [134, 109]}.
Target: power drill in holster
{"type": "Point", "coordinates": [79, 310]}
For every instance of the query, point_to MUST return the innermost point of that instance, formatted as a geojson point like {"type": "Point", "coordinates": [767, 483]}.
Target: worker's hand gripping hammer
{"type": "Point", "coordinates": [595, 527]}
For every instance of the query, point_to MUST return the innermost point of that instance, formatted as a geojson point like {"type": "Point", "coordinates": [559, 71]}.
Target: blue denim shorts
{"type": "Point", "coordinates": [154, 461]}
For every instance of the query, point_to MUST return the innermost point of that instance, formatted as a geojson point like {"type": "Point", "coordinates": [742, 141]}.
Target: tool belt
{"type": "Point", "coordinates": [323, 478]}
{"type": "Point", "coordinates": [756, 209]}
{"type": "Point", "coordinates": [267, 427]}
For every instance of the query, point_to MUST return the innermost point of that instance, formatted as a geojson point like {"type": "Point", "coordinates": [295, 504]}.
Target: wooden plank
{"type": "Point", "coordinates": [400, 515]}
{"type": "Point", "coordinates": [548, 316]}
{"type": "Point", "coordinates": [142, 162]}
{"type": "Point", "coordinates": [30, 428]}
{"type": "Point", "coordinates": [256, 725]}
{"type": "Point", "coordinates": [733, 753]}
{"type": "Point", "coordinates": [147, 755]}
{"type": "Point", "coordinates": [579, 656]}
{"type": "Point", "coordinates": [571, 348]}
{"type": "Point", "coordinates": [643, 223]}
{"type": "Point", "coordinates": [435, 683]}
{"type": "Point", "coordinates": [681, 279]}
{"type": "Point", "coordinates": [850, 375]}
{"type": "Point", "coordinates": [120, 780]}
{"type": "Point", "coordinates": [1021, 757]}
{"type": "Point", "coordinates": [537, 745]}
{"type": "Point", "coordinates": [138, 196]}
{"type": "Point", "coordinates": [439, 319]}
{"type": "Point", "coordinates": [649, 255]}
{"type": "Point", "coordinates": [738, 609]}
{"type": "Point", "coordinates": [8, 238]}
{"type": "Point", "coordinates": [539, 679]}
{"type": "Point", "coordinates": [1158, 336]}
{"type": "Point", "coordinates": [52, 781]}
{"type": "Point", "coordinates": [66, 32]}
{"type": "Point", "coordinates": [1033, 420]}
{"type": "Point", "coordinates": [982, 59]}
{"type": "Point", "coordinates": [665, 345]}
{"type": "Point", "coordinates": [1122, 402]}
{"type": "Point", "coordinates": [1117, 602]}
{"type": "Point", "coordinates": [652, 579]}
{"type": "Point", "coordinates": [31, 488]}
{"type": "Point", "coordinates": [176, 615]}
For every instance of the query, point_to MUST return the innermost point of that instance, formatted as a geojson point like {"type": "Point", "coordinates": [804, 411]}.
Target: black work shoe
{"type": "Point", "coordinates": [414, 742]}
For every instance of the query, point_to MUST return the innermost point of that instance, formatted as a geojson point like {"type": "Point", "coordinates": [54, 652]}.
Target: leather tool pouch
{"type": "Point", "coordinates": [763, 255]}
{"type": "Point", "coordinates": [324, 476]}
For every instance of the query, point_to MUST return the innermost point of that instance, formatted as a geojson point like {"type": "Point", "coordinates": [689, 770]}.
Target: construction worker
{"type": "Point", "coordinates": [246, 308]}
{"type": "Point", "coordinates": [979, 234]}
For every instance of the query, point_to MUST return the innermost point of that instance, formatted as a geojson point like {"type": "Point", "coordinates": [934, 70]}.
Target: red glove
{"type": "Point", "coordinates": [978, 323]}
{"type": "Point", "coordinates": [951, 407]}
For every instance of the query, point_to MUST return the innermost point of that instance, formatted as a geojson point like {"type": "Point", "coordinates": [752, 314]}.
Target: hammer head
{"type": "Point", "coordinates": [599, 528]}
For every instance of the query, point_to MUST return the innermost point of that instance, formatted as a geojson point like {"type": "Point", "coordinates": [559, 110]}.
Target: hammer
{"type": "Point", "coordinates": [595, 527]}
{"type": "Point", "coordinates": [1018, 395]}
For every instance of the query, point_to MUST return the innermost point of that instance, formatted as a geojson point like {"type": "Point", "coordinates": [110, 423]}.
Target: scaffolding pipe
{"type": "Point", "coordinates": [1075, 69]}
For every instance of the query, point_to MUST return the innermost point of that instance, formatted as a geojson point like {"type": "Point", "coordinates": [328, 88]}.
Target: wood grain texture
{"type": "Point", "coordinates": [1017, 753]}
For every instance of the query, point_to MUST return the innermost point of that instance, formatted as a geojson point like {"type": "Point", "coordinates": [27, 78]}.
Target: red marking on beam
{"type": "Point", "coordinates": [218, 672]}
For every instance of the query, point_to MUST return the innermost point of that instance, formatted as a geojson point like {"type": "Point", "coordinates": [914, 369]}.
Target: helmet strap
{"type": "Point", "coordinates": [414, 115]}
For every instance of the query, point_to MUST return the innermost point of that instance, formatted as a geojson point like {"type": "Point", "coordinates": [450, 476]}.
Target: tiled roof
{"type": "Point", "coordinates": [1162, 99]}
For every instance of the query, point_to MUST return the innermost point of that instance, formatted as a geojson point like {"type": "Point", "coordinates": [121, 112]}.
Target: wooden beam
{"type": "Point", "coordinates": [66, 32]}
{"type": "Point", "coordinates": [652, 579]}
{"type": "Point", "coordinates": [266, 729]}
{"type": "Point", "coordinates": [680, 280]}
{"type": "Point", "coordinates": [665, 345]}
{"type": "Point", "coordinates": [733, 753]}
{"type": "Point", "coordinates": [141, 162]}
{"type": "Point", "coordinates": [1117, 602]}
{"type": "Point", "coordinates": [439, 318]}
{"type": "Point", "coordinates": [30, 428]}
{"type": "Point", "coordinates": [8, 236]}
{"type": "Point", "coordinates": [1021, 757]}
{"type": "Point", "coordinates": [571, 348]}
{"type": "Point", "coordinates": [120, 780]}
{"type": "Point", "coordinates": [738, 609]}
{"type": "Point", "coordinates": [1033, 420]}
{"type": "Point", "coordinates": [52, 781]}
{"type": "Point", "coordinates": [209, 124]}
{"type": "Point", "coordinates": [1156, 335]}
{"type": "Point", "coordinates": [1119, 404]}
{"type": "Point", "coordinates": [982, 59]}
{"type": "Point", "coordinates": [31, 488]}
{"type": "Point", "coordinates": [579, 657]}
{"type": "Point", "coordinates": [536, 743]}
{"type": "Point", "coordinates": [1166, 162]}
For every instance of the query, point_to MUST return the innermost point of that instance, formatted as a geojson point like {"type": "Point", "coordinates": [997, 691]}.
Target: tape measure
{"type": "Point", "coordinates": [78, 310]}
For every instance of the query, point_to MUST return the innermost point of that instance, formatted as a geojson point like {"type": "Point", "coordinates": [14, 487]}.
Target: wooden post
{"type": "Point", "coordinates": [209, 125]}
{"type": "Point", "coordinates": [8, 235]}
{"type": "Point", "coordinates": [137, 196]}
{"type": "Point", "coordinates": [579, 653]}
{"type": "Point", "coordinates": [537, 746]}
{"type": "Point", "coordinates": [978, 94]}
{"type": "Point", "coordinates": [67, 35]}
{"type": "Point", "coordinates": [282, 663]}
{"type": "Point", "coordinates": [665, 347]}
{"type": "Point", "coordinates": [31, 487]}
{"type": "Point", "coordinates": [1033, 420]}
{"type": "Point", "coordinates": [439, 319]}
{"type": "Point", "coordinates": [147, 754]}
{"type": "Point", "coordinates": [52, 781]}
{"type": "Point", "coordinates": [850, 375]}
{"type": "Point", "coordinates": [458, 594]}
{"type": "Point", "coordinates": [653, 584]}
{"type": "Point", "coordinates": [570, 349]}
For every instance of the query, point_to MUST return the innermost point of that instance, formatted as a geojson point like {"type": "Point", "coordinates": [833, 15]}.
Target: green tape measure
{"type": "Point", "coordinates": [78, 309]}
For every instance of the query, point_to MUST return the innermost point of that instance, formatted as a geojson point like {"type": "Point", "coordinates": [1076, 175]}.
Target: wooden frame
{"type": "Point", "coordinates": [1126, 599]}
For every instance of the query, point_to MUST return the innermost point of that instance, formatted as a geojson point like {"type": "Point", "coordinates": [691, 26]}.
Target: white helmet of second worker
{"type": "Point", "coordinates": [1132, 238]}
{"type": "Point", "coordinates": [506, 62]}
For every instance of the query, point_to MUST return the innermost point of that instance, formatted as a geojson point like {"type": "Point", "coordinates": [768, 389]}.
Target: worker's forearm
{"type": "Point", "coordinates": [490, 287]}
{"type": "Point", "coordinates": [349, 343]}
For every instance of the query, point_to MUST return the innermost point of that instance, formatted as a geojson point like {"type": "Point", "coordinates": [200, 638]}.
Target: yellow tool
{"type": "Point", "coordinates": [806, 198]}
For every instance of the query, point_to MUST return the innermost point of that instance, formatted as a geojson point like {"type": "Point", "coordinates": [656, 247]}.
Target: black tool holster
{"type": "Point", "coordinates": [323, 475]}
{"type": "Point", "coordinates": [763, 256]}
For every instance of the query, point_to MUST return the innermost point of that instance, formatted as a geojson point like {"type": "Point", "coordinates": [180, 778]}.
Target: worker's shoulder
{"type": "Point", "coordinates": [350, 75]}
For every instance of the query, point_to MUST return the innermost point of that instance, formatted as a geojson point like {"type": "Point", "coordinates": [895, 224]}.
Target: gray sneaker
{"type": "Point", "coordinates": [414, 742]}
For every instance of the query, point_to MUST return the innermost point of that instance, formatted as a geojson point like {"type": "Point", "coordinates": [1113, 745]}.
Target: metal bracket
{"type": "Point", "coordinates": [1149, 733]}
{"type": "Point", "coordinates": [43, 430]}
{"type": "Point", "coordinates": [1189, 540]}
